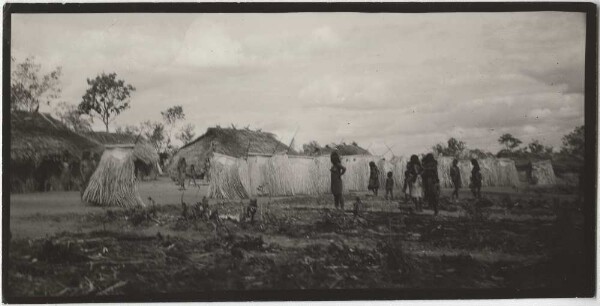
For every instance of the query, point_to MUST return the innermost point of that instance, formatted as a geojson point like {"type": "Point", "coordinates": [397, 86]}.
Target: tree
{"type": "Point", "coordinates": [186, 133]}
{"type": "Point", "coordinates": [509, 141]}
{"type": "Point", "coordinates": [538, 149]}
{"type": "Point", "coordinates": [106, 98]}
{"type": "Point", "coordinates": [154, 133]}
{"type": "Point", "coordinates": [574, 142]}
{"type": "Point", "coordinates": [535, 147]}
{"type": "Point", "coordinates": [454, 148]}
{"type": "Point", "coordinates": [311, 148]}
{"type": "Point", "coordinates": [70, 116]}
{"type": "Point", "coordinates": [29, 87]}
{"type": "Point", "coordinates": [171, 116]}
{"type": "Point", "coordinates": [131, 130]}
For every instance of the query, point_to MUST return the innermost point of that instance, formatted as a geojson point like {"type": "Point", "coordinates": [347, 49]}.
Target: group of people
{"type": "Point", "coordinates": [421, 181]}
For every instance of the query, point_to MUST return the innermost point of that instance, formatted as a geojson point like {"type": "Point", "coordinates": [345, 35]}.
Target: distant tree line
{"type": "Point", "coordinates": [573, 146]}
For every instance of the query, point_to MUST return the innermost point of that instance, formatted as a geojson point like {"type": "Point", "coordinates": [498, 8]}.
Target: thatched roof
{"type": "Point", "coordinates": [143, 149]}
{"type": "Point", "coordinates": [344, 149]}
{"type": "Point", "coordinates": [230, 142]}
{"type": "Point", "coordinates": [38, 136]}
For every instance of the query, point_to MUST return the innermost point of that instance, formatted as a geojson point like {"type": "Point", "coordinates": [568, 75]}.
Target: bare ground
{"type": "Point", "coordinates": [62, 247]}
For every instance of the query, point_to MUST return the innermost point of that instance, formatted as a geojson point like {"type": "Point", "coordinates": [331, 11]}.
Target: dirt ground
{"type": "Point", "coordinates": [510, 239]}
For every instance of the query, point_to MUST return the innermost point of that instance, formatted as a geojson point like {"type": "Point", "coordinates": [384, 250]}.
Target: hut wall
{"type": "Point", "coordinates": [283, 175]}
{"type": "Point", "coordinates": [494, 171]}
{"type": "Point", "coordinates": [225, 178]}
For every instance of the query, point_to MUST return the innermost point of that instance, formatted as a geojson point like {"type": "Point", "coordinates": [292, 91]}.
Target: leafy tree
{"type": "Point", "coordinates": [574, 142]}
{"type": "Point", "coordinates": [171, 116]}
{"type": "Point", "coordinates": [106, 97]}
{"type": "Point", "coordinates": [535, 147]}
{"type": "Point", "coordinates": [154, 132]}
{"type": "Point", "coordinates": [454, 148]}
{"type": "Point", "coordinates": [311, 148]}
{"type": "Point", "coordinates": [509, 141]}
{"type": "Point", "coordinates": [29, 87]}
{"type": "Point", "coordinates": [186, 133]}
{"type": "Point", "coordinates": [477, 153]}
{"type": "Point", "coordinates": [70, 116]}
{"type": "Point", "coordinates": [131, 130]}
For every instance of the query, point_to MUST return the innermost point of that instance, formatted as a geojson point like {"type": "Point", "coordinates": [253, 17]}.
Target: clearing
{"type": "Point", "coordinates": [62, 247]}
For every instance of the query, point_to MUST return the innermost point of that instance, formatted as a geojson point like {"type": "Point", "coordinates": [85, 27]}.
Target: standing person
{"type": "Point", "coordinates": [389, 186]}
{"type": "Point", "coordinates": [405, 187]}
{"type": "Point", "coordinates": [373, 178]}
{"type": "Point", "coordinates": [95, 160]}
{"type": "Point", "coordinates": [86, 169]}
{"type": "Point", "coordinates": [455, 177]}
{"type": "Point", "coordinates": [337, 170]}
{"type": "Point", "coordinates": [181, 168]}
{"type": "Point", "coordinates": [193, 174]}
{"type": "Point", "coordinates": [431, 182]}
{"type": "Point", "coordinates": [65, 172]}
{"type": "Point", "coordinates": [415, 183]}
{"type": "Point", "coordinates": [476, 179]}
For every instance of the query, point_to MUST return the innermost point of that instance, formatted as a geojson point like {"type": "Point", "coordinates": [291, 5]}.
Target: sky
{"type": "Point", "coordinates": [403, 81]}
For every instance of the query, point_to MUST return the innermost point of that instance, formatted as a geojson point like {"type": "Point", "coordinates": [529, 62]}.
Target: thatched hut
{"type": "Point", "coordinates": [542, 173]}
{"type": "Point", "coordinates": [39, 144]}
{"type": "Point", "coordinates": [146, 160]}
{"type": "Point", "coordinates": [536, 171]}
{"type": "Point", "coordinates": [113, 184]}
{"type": "Point", "coordinates": [235, 143]}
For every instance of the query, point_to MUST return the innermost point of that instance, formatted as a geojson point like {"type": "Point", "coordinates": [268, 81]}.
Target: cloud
{"type": "Point", "coordinates": [207, 44]}
{"type": "Point", "coordinates": [372, 78]}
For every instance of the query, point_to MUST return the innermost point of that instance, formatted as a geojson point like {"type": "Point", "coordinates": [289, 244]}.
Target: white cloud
{"type": "Point", "coordinates": [206, 44]}
{"type": "Point", "coordinates": [374, 78]}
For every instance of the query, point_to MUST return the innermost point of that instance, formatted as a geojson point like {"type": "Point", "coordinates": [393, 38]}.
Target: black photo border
{"type": "Point", "coordinates": [591, 128]}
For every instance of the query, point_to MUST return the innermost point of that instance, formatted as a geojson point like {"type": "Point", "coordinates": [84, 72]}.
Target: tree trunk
{"type": "Point", "coordinates": [106, 124]}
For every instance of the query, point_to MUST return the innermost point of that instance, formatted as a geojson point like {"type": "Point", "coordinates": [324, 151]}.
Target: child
{"type": "Point", "coordinates": [415, 182]}
{"type": "Point", "coordinates": [405, 189]}
{"type": "Point", "coordinates": [389, 186]}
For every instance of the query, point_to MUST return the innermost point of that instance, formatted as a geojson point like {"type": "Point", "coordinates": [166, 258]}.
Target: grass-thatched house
{"type": "Point", "coordinates": [231, 142]}
{"type": "Point", "coordinates": [39, 144]}
{"type": "Point", "coordinates": [536, 171]}
{"type": "Point", "coordinates": [146, 158]}
{"type": "Point", "coordinates": [113, 183]}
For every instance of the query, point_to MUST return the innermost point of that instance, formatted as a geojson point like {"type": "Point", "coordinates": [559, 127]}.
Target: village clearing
{"type": "Point", "coordinates": [526, 239]}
